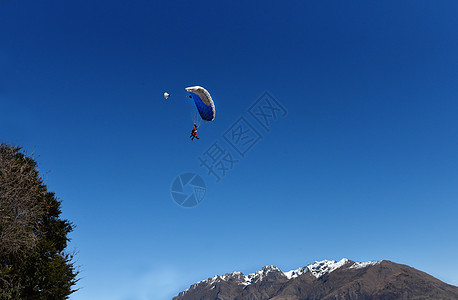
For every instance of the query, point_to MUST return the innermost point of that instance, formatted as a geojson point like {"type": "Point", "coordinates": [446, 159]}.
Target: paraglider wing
{"type": "Point", "coordinates": [203, 101]}
{"type": "Point", "coordinates": [166, 95]}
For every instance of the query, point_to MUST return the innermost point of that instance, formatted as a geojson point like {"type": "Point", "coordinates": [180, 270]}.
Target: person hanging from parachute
{"type": "Point", "coordinates": [204, 104]}
{"type": "Point", "coordinates": [194, 133]}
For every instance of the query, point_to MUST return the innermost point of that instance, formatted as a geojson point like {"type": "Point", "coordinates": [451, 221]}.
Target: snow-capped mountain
{"type": "Point", "coordinates": [318, 269]}
{"type": "Point", "coordinates": [318, 281]}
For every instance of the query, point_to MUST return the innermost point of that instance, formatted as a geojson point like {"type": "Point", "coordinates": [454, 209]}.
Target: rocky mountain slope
{"type": "Point", "coordinates": [326, 280]}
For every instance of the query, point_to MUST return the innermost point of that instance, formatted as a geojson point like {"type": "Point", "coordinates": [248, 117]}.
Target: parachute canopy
{"type": "Point", "coordinates": [203, 101]}
{"type": "Point", "coordinates": [166, 95]}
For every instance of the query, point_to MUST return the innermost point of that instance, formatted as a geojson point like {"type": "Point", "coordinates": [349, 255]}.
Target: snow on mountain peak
{"type": "Point", "coordinates": [271, 267]}
{"type": "Point", "coordinates": [295, 273]}
{"type": "Point", "coordinates": [317, 269]}
{"type": "Point", "coordinates": [259, 275]}
{"type": "Point", "coordinates": [360, 265]}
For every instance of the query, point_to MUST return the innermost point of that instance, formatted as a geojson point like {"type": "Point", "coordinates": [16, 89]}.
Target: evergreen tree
{"type": "Point", "coordinates": [33, 238]}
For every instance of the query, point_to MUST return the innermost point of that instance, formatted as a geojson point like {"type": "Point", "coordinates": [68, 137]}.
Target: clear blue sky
{"type": "Point", "coordinates": [364, 165]}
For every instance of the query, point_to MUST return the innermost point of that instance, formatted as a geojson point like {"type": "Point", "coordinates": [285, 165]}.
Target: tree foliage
{"type": "Point", "coordinates": [33, 238]}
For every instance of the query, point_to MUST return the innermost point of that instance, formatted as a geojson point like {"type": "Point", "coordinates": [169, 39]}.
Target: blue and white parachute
{"type": "Point", "coordinates": [203, 101]}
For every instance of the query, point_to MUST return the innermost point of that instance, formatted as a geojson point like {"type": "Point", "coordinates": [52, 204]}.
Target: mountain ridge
{"type": "Point", "coordinates": [327, 279]}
